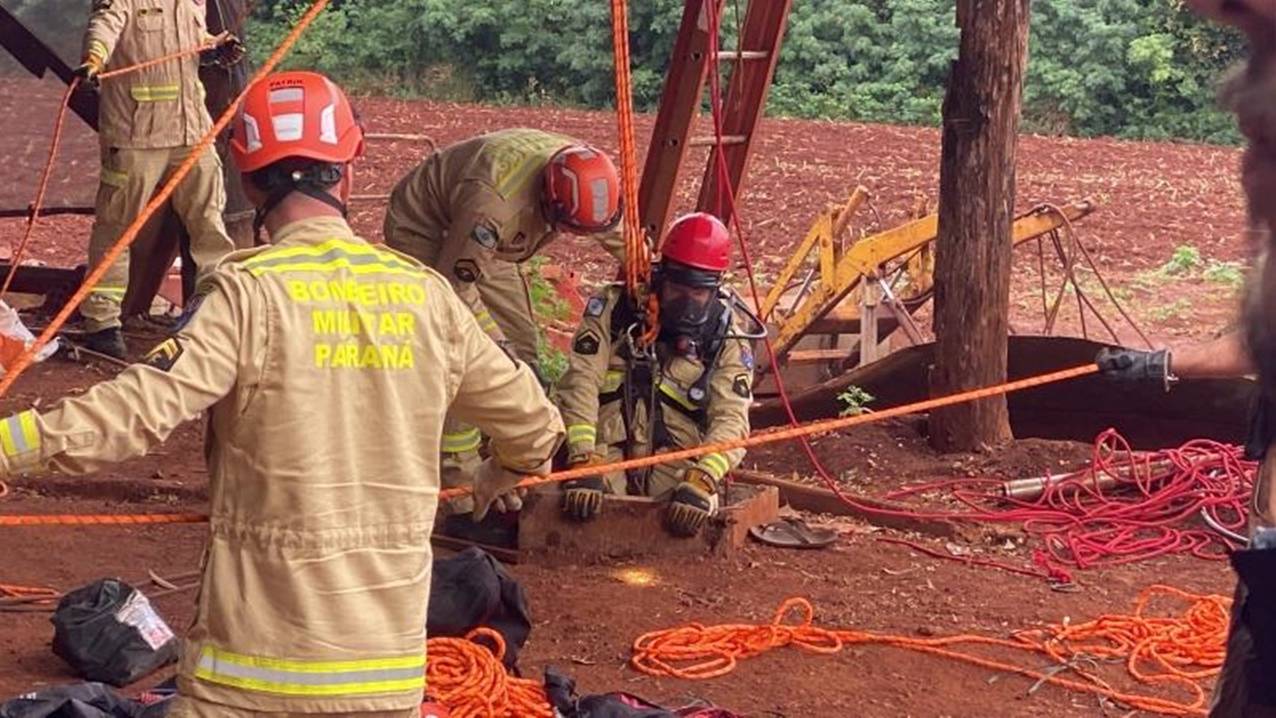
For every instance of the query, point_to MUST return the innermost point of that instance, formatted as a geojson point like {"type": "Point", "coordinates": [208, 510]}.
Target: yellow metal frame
{"type": "Point", "coordinates": [840, 272]}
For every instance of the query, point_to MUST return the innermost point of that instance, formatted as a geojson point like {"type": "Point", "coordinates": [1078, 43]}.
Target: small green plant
{"type": "Point", "coordinates": [1231, 274]}
{"type": "Point", "coordinates": [546, 303]}
{"type": "Point", "coordinates": [1173, 310]}
{"type": "Point", "coordinates": [553, 363]}
{"type": "Point", "coordinates": [855, 401]}
{"type": "Point", "coordinates": [1184, 260]}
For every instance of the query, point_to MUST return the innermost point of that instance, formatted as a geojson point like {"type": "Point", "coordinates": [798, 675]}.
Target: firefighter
{"type": "Point", "coordinates": [477, 210]}
{"type": "Point", "coordinates": [149, 121]}
{"type": "Point", "coordinates": [691, 386]}
{"type": "Point", "coordinates": [326, 365]}
{"type": "Point", "coordinates": [1238, 693]}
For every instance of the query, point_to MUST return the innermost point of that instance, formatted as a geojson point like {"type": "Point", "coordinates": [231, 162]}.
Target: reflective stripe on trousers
{"type": "Point", "coordinates": [311, 678]}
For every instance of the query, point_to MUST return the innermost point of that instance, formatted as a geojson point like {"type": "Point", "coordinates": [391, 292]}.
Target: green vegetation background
{"type": "Point", "coordinates": [1143, 69]}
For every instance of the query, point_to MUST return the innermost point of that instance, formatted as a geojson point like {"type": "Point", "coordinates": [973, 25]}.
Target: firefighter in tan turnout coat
{"type": "Point", "coordinates": [149, 122]}
{"type": "Point", "coordinates": [694, 388]}
{"type": "Point", "coordinates": [327, 365]}
{"type": "Point", "coordinates": [477, 210]}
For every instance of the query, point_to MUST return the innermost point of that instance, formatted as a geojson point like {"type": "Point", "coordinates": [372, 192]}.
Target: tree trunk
{"type": "Point", "coordinates": [976, 208]}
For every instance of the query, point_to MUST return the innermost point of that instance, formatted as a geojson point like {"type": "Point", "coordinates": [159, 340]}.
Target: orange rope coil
{"type": "Point", "coordinates": [471, 681]}
{"type": "Point", "coordinates": [1179, 650]}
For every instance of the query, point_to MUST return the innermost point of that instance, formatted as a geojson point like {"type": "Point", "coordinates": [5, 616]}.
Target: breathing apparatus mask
{"type": "Point", "coordinates": [688, 301]}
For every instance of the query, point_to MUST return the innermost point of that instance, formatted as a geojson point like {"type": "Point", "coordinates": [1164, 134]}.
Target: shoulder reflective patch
{"type": "Point", "coordinates": [746, 356]}
{"type": "Point", "coordinates": [595, 307]}
{"type": "Point", "coordinates": [164, 355]}
{"type": "Point", "coordinates": [586, 343]}
{"type": "Point", "coordinates": [188, 313]}
{"type": "Point", "coordinates": [485, 236]}
{"type": "Point", "coordinates": [466, 270]}
{"type": "Point", "coordinates": [740, 385]}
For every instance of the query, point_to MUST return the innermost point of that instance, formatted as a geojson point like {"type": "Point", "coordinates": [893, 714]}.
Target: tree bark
{"type": "Point", "coordinates": [976, 209]}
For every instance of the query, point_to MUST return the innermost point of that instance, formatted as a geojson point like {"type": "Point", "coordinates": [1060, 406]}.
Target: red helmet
{"type": "Point", "coordinates": [699, 241]}
{"type": "Point", "coordinates": [295, 114]}
{"type": "Point", "coordinates": [581, 190]}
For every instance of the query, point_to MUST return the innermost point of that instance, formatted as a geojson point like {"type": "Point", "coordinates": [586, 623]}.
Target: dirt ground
{"type": "Point", "coordinates": [1153, 198]}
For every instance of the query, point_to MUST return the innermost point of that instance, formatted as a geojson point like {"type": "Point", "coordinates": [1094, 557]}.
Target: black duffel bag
{"type": "Point", "coordinates": [108, 632]}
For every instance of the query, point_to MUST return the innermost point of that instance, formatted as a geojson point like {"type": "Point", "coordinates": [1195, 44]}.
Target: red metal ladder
{"type": "Point", "coordinates": [755, 57]}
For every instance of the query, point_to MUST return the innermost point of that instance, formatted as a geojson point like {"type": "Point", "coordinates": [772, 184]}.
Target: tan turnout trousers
{"type": "Point", "coordinates": [129, 178]}
{"type": "Point", "coordinates": [186, 707]}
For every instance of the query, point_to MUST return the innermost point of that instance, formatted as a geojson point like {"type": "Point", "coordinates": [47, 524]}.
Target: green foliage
{"type": "Point", "coordinates": [546, 304]}
{"type": "Point", "coordinates": [1134, 68]}
{"type": "Point", "coordinates": [552, 361]}
{"type": "Point", "coordinates": [1183, 261]}
{"type": "Point", "coordinates": [1229, 274]}
{"type": "Point", "coordinates": [855, 401]}
{"type": "Point", "coordinates": [1130, 68]}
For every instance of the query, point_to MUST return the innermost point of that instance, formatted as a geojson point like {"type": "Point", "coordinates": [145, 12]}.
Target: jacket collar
{"type": "Point", "coordinates": [313, 231]}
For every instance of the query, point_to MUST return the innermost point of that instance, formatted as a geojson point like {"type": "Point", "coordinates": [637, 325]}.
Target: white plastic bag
{"type": "Point", "coordinates": [15, 339]}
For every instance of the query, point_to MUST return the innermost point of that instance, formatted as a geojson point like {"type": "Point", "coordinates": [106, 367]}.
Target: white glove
{"type": "Point", "coordinates": [494, 486]}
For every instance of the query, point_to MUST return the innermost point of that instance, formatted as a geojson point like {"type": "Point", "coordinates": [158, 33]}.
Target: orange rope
{"type": "Point", "coordinates": [180, 54]}
{"type": "Point", "coordinates": [471, 681]}
{"type": "Point", "coordinates": [102, 519]}
{"type": "Point", "coordinates": [1183, 648]}
{"type": "Point", "coordinates": [25, 360]}
{"type": "Point", "coordinates": [758, 439]}
{"type": "Point", "coordinates": [38, 202]}
{"type": "Point", "coordinates": [13, 591]}
{"type": "Point", "coordinates": [792, 432]}
{"type": "Point", "coordinates": [637, 255]}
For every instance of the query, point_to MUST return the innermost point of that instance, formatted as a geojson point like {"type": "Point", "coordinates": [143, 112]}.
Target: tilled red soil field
{"type": "Point", "coordinates": [1152, 198]}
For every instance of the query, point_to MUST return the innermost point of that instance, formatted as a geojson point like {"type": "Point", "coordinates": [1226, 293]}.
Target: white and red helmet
{"type": "Point", "coordinates": [581, 190]}
{"type": "Point", "coordinates": [295, 115]}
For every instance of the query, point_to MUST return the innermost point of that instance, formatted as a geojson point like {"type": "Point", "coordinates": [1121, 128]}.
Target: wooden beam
{"type": "Point", "coordinates": [814, 499]}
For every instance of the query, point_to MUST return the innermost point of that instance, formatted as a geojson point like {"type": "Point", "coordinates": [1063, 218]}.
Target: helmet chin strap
{"type": "Point", "coordinates": [313, 182]}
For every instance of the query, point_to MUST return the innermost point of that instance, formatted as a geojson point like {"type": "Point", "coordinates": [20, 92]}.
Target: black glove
{"type": "Point", "coordinates": [583, 498]}
{"type": "Point", "coordinates": [694, 502]}
{"type": "Point", "coordinates": [226, 54]}
{"type": "Point", "coordinates": [88, 73]}
{"type": "Point", "coordinates": [1135, 365]}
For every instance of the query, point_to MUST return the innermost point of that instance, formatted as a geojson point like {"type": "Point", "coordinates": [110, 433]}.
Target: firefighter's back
{"type": "Point", "coordinates": [325, 478]}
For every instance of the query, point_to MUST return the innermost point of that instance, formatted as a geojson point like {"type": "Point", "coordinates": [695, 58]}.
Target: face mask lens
{"type": "Point", "coordinates": [684, 306]}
